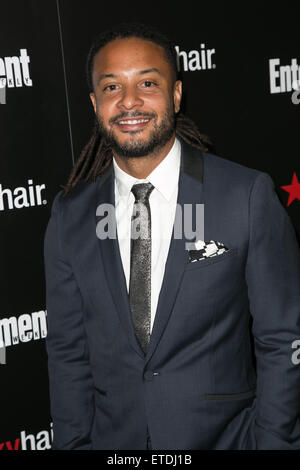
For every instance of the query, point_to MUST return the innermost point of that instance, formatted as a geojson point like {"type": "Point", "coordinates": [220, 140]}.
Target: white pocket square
{"type": "Point", "coordinates": [202, 250]}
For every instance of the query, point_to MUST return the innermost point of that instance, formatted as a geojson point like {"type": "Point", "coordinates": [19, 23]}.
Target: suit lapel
{"type": "Point", "coordinates": [109, 248]}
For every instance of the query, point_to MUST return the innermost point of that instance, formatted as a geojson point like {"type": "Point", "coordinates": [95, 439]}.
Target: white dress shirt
{"type": "Point", "coordinates": [162, 200]}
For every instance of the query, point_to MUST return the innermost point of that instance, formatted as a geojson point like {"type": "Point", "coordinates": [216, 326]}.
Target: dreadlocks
{"type": "Point", "coordinates": [97, 154]}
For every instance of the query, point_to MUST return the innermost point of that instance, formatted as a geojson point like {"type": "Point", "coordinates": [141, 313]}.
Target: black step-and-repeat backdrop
{"type": "Point", "coordinates": [241, 72]}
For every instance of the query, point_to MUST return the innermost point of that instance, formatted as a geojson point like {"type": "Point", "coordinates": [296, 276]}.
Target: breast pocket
{"type": "Point", "coordinates": [214, 281]}
{"type": "Point", "coordinates": [212, 260]}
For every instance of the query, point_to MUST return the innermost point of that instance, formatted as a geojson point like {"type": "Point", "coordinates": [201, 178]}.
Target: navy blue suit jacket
{"type": "Point", "coordinates": [197, 387]}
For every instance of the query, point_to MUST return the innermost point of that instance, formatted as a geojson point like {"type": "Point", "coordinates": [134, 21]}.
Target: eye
{"type": "Point", "coordinates": [110, 88]}
{"type": "Point", "coordinates": [148, 83]}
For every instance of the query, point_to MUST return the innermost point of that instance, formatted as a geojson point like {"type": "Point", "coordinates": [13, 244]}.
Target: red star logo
{"type": "Point", "coordinates": [293, 189]}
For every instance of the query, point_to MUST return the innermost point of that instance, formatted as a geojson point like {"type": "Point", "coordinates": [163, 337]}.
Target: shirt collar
{"type": "Point", "coordinates": [164, 177]}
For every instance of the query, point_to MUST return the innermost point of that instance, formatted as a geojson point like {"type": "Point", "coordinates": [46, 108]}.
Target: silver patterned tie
{"type": "Point", "coordinates": [140, 263]}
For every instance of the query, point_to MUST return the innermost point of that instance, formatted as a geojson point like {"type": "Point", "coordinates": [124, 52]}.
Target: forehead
{"type": "Point", "coordinates": [130, 54]}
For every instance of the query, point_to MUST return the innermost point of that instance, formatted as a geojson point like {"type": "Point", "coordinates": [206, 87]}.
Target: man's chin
{"type": "Point", "coordinates": [139, 142]}
{"type": "Point", "coordinates": [129, 151]}
{"type": "Point", "coordinates": [132, 147]}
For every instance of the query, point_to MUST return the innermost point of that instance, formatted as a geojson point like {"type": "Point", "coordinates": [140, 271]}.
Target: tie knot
{"type": "Point", "coordinates": [142, 191]}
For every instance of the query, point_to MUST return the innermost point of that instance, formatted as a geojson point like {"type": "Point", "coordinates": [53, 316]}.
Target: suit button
{"type": "Point", "coordinates": [149, 374]}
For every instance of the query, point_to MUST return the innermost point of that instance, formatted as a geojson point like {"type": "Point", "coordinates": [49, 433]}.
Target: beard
{"type": "Point", "coordinates": [136, 147]}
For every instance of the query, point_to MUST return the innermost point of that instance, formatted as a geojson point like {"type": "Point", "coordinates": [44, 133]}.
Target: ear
{"type": "Point", "coordinates": [177, 94]}
{"type": "Point", "coordinates": [93, 100]}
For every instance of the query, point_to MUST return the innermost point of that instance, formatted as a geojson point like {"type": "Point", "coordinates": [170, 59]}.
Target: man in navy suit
{"type": "Point", "coordinates": [149, 337]}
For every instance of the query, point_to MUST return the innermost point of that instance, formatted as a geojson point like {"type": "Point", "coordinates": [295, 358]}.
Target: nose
{"type": "Point", "coordinates": [130, 99]}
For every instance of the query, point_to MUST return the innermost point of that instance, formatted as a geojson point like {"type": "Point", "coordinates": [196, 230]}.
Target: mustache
{"type": "Point", "coordinates": [127, 115]}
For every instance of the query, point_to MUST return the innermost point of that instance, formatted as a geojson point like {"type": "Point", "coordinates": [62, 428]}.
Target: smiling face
{"type": "Point", "coordinates": [135, 97]}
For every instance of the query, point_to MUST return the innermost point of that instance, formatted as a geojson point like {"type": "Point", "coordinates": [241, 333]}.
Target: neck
{"type": "Point", "coordinates": [141, 167]}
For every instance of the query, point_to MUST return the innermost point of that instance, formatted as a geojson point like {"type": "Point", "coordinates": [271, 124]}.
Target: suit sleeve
{"type": "Point", "coordinates": [70, 378]}
{"type": "Point", "coordinates": [273, 279]}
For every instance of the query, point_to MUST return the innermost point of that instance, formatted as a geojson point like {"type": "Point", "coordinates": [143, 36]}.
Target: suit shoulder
{"type": "Point", "coordinates": [231, 171]}
{"type": "Point", "coordinates": [232, 180]}
{"type": "Point", "coordinates": [77, 195]}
